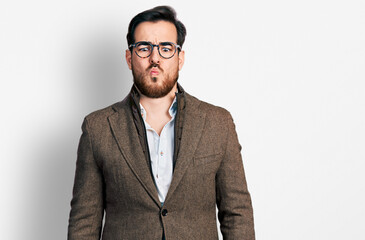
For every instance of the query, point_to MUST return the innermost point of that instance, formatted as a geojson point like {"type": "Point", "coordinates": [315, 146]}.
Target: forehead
{"type": "Point", "coordinates": [160, 31]}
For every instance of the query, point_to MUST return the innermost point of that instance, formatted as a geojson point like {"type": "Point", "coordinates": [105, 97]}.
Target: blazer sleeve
{"type": "Point", "coordinates": [85, 222]}
{"type": "Point", "coordinates": [235, 212]}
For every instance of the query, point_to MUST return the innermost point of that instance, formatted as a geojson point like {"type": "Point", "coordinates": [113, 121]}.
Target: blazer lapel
{"type": "Point", "coordinates": [191, 132]}
{"type": "Point", "coordinates": [125, 133]}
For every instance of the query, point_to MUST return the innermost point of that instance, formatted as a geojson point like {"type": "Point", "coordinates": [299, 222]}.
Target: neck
{"type": "Point", "coordinates": [158, 105]}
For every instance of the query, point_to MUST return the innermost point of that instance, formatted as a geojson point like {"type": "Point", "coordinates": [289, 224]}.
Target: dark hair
{"type": "Point", "coordinates": [165, 13]}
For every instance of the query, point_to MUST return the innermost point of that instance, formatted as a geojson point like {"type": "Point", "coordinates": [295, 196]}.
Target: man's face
{"type": "Point", "coordinates": [155, 76]}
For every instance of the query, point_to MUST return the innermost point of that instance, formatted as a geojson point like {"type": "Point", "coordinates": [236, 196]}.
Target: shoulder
{"type": "Point", "coordinates": [218, 124]}
{"type": "Point", "coordinates": [99, 117]}
{"type": "Point", "coordinates": [211, 111]}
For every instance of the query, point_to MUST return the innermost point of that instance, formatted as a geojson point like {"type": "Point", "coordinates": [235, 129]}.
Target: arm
{"type": "Point", "coordinates": [235, 212]}
{"type": "Point", "coordinates": [87, 203]}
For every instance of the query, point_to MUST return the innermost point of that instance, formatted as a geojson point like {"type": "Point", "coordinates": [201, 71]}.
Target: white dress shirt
{"type": "Point", "coordinates": [161, 151]}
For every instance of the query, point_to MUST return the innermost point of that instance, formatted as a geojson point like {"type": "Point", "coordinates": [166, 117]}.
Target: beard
{"type": "Point", "coordinates": [154, 87]}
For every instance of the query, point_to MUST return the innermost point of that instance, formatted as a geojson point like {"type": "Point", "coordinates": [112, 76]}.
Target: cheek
{"type": "Point", "coordinates": [139, 65]}
{"type": "Point", "coordinates": [171, 66]}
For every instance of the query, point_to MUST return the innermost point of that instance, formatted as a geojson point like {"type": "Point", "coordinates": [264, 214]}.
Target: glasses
{"type": "Point", "coordinates": [144, 49]}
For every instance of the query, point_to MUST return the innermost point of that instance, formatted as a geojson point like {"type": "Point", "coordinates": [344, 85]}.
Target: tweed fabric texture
{"type": "Point", "coordinates": [113, 176]}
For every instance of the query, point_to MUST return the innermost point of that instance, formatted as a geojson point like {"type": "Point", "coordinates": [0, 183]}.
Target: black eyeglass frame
{"type": "Point", "coordinates": [177, 48]}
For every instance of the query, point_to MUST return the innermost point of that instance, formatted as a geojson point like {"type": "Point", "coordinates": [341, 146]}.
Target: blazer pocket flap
{"type": "Point", "coordinates": [207, 159]}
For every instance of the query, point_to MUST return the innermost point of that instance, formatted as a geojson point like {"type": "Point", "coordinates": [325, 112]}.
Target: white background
{"type": "Point", "coordinates": [290, 72]}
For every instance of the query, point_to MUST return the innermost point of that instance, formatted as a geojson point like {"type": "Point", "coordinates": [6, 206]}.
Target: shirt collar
{"type": "Point", "coordinates": [172, 110]}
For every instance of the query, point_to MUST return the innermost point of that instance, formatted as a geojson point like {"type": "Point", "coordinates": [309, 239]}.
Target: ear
{"type": "Point", "coordinates": [181, 59]}
{"type": "Point", "coordinates": [128, 58]}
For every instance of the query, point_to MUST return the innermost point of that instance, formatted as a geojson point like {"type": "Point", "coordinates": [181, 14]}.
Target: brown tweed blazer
{"type": "Point", "coordinates": [113, 176]}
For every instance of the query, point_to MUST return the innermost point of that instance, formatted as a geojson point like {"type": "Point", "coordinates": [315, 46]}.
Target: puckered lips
{"type": "Point", "coordinates": [154, 71]}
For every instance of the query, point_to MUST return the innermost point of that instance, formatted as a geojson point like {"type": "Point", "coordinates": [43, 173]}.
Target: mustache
{"type": "Point", "coordinates": [154, 65]}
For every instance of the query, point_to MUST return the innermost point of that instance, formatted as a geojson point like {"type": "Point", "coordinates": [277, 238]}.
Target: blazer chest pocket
{"type": "Point", "coordinates": [207, 163]}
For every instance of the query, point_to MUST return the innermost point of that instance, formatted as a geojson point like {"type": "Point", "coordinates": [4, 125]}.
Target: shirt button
{"type": "Point", "coordinates": [161, 153]}
{"type": "Point", "coordinates": [164, 212]}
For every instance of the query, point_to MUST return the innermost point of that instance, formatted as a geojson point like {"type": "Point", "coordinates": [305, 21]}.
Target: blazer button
{"type": "Point", "coordinates": [164, 212]}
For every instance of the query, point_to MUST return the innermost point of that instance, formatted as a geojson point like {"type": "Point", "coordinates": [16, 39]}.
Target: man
{"type": "Point", "coordinates": [159, 162]}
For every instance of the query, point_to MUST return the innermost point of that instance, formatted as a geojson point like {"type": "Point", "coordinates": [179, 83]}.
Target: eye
{"type": "Point", "coordinates": [166, 49]}
{"type": "Point", "coordinates": [143, 48]}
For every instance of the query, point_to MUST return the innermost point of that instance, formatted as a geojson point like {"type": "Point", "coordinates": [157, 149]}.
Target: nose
{"type": "Point", "coordinates": [155, 56]}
